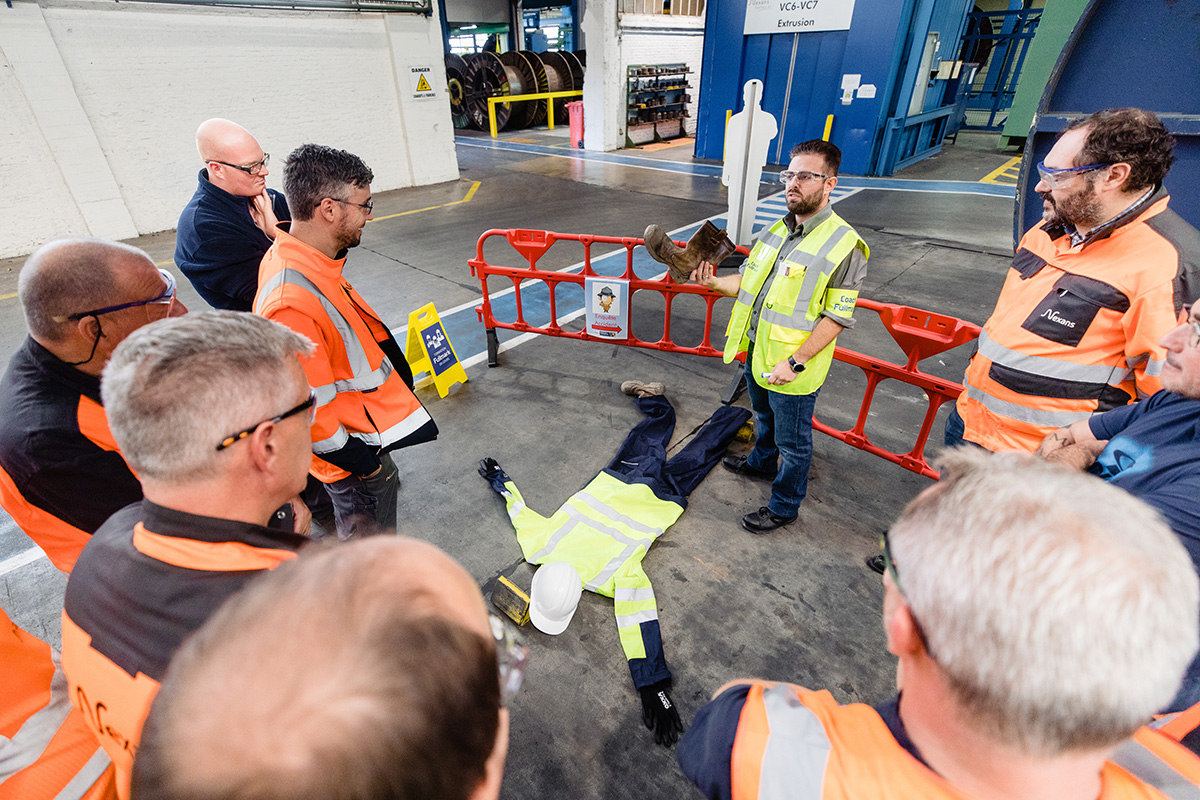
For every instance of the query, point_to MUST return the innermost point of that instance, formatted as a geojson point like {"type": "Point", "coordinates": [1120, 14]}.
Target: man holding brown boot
{"type": "Point", "coordinates": [795, 294]}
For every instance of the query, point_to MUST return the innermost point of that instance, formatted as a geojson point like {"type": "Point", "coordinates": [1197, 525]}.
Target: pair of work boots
{"type": "Point", "coordinates": [710, 244]}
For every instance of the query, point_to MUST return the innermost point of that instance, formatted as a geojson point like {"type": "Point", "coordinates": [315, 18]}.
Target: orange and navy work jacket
{"type": "Point", "coordinates": [1076, 328]}
{"type": "Point", "coordinates": [759, 741]}
{"type": "Point", "coordinates": [61, 474]}
{"type": "Point", "coordinates": [46, 750]}
{"type": "Point", "coordinates": [148, 578]}
{"type": "Point", "coordinates": [365, 403]}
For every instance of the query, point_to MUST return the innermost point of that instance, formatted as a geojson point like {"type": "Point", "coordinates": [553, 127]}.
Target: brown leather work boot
{"type": "Point", "coordinates": [710, 244]}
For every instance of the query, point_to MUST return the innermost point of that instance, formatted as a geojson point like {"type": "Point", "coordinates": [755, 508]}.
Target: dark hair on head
{"type": "Point", "coordinates": [827, 150]}
{"type": "Point", "coordinates": [313, 172]}
{"type": "Point", "coordinates": [1130, 135]}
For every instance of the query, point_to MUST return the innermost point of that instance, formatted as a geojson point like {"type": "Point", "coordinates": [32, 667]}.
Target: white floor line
{"type": "Point", "coordinates": [13, 563]}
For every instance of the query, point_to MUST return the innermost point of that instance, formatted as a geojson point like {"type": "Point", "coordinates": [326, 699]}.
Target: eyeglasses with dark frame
{"type": "Point", "coordinates": [253, 170]}
{"type": "Point", "coordinates": [886, 546]}
{"type": "Point", "coordinates": [1055, 177]}
{"type": "Point", "coordinates": [511, 657]}
{"type": "Point", "coordinates": [309, 405]}
{"type": "Point", "coordinates": [166, 298]}
{"type": "Point", "coordinates": [804, 176]}
{"type": "Point", "coordinates": [368, 206]}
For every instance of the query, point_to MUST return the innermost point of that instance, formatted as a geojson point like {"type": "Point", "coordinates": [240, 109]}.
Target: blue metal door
{"type": "Point", "coordinates": [804, 77]}
{"type": "Point", "coordinates": [997, 41]}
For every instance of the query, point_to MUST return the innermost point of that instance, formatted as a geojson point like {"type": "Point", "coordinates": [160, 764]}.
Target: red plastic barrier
{"type": "Point", "coordinates": [919, 333]}
{"type": "Point", "coordinates": [532, 245]}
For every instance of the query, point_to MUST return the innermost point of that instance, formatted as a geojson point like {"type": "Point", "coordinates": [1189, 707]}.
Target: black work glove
{"type": "Point", "coordinates": [659, 713]}
{"type": "Point", "coordinates": [491, 471]}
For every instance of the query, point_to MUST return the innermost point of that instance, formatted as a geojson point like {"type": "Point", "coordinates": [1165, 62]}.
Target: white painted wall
{"type": "Point", "coordinates": [102, 101]}
{"type": "Point", "coordinates": [662, 39]}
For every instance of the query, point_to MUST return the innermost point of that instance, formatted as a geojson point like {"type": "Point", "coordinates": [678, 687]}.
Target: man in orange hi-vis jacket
{"type": "Point", "coordinates": [365, 404]}
{"type": "Point", "coordinates": [46, 749]}
{"type": "Point", "coordinates": [1091, 289]}
{"type": "Point", "coordinates": [212, 410]}
{"type": "Point", "coordinates": [1040, 618]}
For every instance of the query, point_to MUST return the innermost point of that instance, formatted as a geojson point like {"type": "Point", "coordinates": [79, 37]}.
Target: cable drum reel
{"type": "Point", "coordinates": [474, 79]}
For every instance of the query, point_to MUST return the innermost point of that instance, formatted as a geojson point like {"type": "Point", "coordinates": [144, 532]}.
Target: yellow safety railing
{"type": "Point", "coordinates": [509, 98]}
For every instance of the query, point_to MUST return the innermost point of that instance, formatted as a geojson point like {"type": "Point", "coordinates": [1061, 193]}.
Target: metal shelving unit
{"type": "Point", "coordinates": [657, 93]}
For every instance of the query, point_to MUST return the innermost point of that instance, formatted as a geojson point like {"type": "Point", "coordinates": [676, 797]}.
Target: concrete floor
{"type": "Point", "coordinates": [796, 605]}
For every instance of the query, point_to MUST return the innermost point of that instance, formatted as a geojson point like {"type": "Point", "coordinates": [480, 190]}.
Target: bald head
{"type": "Point", "coordinates": [74, 275]}
{"type": "Point", "coordinates": [367, 670]}
{"type": "Point", "coordinates": [222, 143]}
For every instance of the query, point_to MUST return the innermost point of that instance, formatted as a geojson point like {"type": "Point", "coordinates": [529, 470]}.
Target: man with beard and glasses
{"type": "Point", "coordinates": [365, 403]}
{"type": "Point", "coordinates": [795, 294]}
{"type": "Point", "coordinates": [1091, 290]}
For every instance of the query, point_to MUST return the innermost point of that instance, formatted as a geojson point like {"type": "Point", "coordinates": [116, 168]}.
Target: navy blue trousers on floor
{"type": "Point", "coordinates": [642, 457]}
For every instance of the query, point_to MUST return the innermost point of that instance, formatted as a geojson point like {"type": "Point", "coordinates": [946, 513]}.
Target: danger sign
{"type": "Point", "coordinates": [422, 84]}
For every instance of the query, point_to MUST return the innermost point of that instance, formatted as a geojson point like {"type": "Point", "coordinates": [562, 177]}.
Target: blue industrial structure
{"type": "Point", "coordinates": [1143, 53]}
{"type": "Point", "coordinates": [894, 46]}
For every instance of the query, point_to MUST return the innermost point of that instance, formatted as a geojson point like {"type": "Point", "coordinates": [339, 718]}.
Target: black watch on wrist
{"type": "Point", "coordinates": [796, 368]}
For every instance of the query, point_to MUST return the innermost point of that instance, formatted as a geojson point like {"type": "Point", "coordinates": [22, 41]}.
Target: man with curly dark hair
{"type": "Point", "coordinates": [1091, 291]}
{"type": "Point", "coordinates": [365, 404]}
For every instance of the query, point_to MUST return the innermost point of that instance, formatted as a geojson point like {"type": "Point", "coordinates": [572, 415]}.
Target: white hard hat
{"type": "Point", "coordinates": [554, 596]}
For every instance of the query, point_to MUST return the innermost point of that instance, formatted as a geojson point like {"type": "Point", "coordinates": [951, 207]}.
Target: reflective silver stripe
{"type": "Point", "coordinates": [360, 366]}
{"type": "Point", "coordinates": [1050, 367]}
{"type": "Point", "coordinates": [745, 297]}
{"type": "Point", "coordinates": [554, 539]}
{"type": "Point", "coordinates": [608, 512]}
{"type": "Point", "coordinates": [1144, 765]}
{"type": "Point", "coordinates": [1154, 367]}
{"type": "Point", "coordinates": [611, 567]}
{"type": "Point", "coordinates": [78, 786]}
{"type": "Point", "coordinates": [636, 618]}
{"type": "Point", "coordinates": [816, 265]}
{"type": "Point", "coordinates": [517, 507]}
{"type": "Point", "coordinates": [626, 595]}
{"type": "Point", "coordinates": [789, 321]}
{"type": "Point", "coordinates": [600, 527]}
{"type": "Point", "coordinates": [363, 383]}
{"type": "Point", "coordinates": [335, 442]}
{"type": "Point", "coordinates": [397, 432]}
{"type": "Point", "coordinates": [797, 751]}
{"type": "Point", "coordinates": [1052, 419]}
{"type": "Point", "coordinates": [29, 742]}
{"type": "Point", "coordinates": [771, 239]}
{"type": "Point", "coordinates": [325, 394]}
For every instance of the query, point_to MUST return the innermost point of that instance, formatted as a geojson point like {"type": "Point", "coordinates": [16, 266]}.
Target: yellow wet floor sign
{"type": "Point", "coordinates": [428, 349]}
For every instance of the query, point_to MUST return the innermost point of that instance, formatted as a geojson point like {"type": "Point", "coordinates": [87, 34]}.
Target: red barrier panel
{"type": "Point", "coordinates": [919, 333]}
{"type": "Point", "coordinates": [532, 245]}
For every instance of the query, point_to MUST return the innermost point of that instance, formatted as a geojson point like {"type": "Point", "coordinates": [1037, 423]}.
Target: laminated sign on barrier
{"type": "Point", "coordinates": [607, 307]}
{"type": "Point", "coordinates": [429, 350]}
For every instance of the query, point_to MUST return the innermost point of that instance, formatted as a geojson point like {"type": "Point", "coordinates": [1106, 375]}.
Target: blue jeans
{"type": "Point", "coordinates": [956, 429]}
{"type": "Point", "coordinates": [366, 506]}
{"type": "Point", "coordinates": [642, 457]}
{"type": "Point", "coordinates": [784, 435]}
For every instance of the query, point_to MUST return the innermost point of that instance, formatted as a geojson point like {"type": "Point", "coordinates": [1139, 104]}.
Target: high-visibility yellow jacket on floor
{"type": "Point", "coordinates": [1076, 328]}
{"type": "Point", "coordinates": [604, 531]}
{"type": "Point", "coordinates": [365, 403]}
{"type": "Point", "coordinates": [790, 743]}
